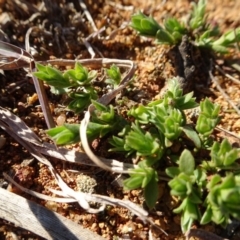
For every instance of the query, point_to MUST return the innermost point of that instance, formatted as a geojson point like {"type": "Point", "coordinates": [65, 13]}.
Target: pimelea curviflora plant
{"type": "Point", "coordinates": [197, 29]}
{"type": "Point", "coordinates": [208, 187]}
{"type": "Point", "coordinates": [76, 83]}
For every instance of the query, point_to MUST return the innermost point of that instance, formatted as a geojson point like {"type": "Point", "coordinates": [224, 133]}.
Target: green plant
{"type": "Point", "coordinates": [156, 128]}
{"type": "Point", "coordinates": [197, 29]}
{"type": "Point", "coordinates": [66, 134]}
{"type": "Point", "coordinates": [188, 183]}
{"type": "Point", "coordinates": [144, 177]}
{"type": "Point", "coordinates": [222, 201]}
{"type": "Point", "coordinates": [207, 188]}
{"type": "Point", "coordinates": [76, 83]}
{"type": "Point", "coordinates": [104, 120]}
{"type": "Point", "coordinates": [114, 76]}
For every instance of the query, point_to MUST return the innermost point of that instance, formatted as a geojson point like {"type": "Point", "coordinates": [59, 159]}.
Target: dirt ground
{"type": "Point", "coordinates": [58, 31]}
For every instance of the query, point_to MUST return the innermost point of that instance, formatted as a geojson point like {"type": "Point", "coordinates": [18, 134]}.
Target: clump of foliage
{"type": "Point", "coordinates": [208, 189]}
{"type": "Point", "coordinates": [199, 31]}
{"type": "Point", "coordinates": [76, 83]}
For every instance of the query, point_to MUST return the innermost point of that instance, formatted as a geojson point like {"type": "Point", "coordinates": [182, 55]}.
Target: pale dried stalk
{"type": "Point", "coordinates": [81, 198]}
{"type": "Point", "coordinates": [88, 15]}
{"type": "Point", "coordinates": [235, 80]}
{"type": "Point", "coordinates": [227, 132]}
{"type": "Point", "coordinates": [26, 134]}
{"type": "Point", "coordinates": [36, 194]}
{"type": "Point", "coordinates": [85, 145]}
{"type": "Point", "coordinates": [42, 96]}
{"type": "Point", "coordinates": [12, 57]}
{"type": "Point", "coordinates": [226, 97]}
{"type": "Point", "coordinates": [83, 128]}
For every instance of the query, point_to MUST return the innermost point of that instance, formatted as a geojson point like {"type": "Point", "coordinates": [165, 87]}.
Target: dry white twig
{"type": "Point", "coordinates": [235, 80]}
{"type": "Point", "coordinates": [89, 48]}
{"type": "Point", "coordinates": [228, 132]}
{"type": "Point", "coordinates": [88, 15]}
{"type": "Point", "coordinates": [26, 134]}
{"type": "Point", "coordinates": [39, 87]}
{"type": "Point", "coordinates": [104, 100]}
{"type": "Point", "coordinates": [226, 97]}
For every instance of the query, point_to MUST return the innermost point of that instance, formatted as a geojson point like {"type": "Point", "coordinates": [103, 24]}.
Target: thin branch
{"type": "Point", "coordinates": [42, 96]}
{"type": "Point", "coordinates": [105, 99]}
{"type": "Point", "coordinates": [235, 80]}
{"type": "Point", "coordinates": [228, 132]}
{"type": "Point", "coordinates": [226, 97]}
{"type": "Point", "coordinates": [88, 15]}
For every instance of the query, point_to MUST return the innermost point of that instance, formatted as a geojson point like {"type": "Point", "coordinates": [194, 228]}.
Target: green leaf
{"type": "Point", "coordinates": [79, 103]}
{"type": "Point", "coordinates": [178, 186]}
{"type": "Point", "coordinates": [66, 134]}
{"type": "Point", "coordinates": [191, 134]}
{"type": "Point", "coordinates": [231, 157]}
{"type": "Point", "coordinates": [51, 76]}
{"type": "Point", "coordinates": [200, 176]}
{"type": "Point", "coordinates": [207, 216]}
{"type": "Point", "coordinates": [186, 162]}
{"type": "Point", "coordinates": [144, 143]}
{"type": "Point", "coordinates": [190, 213]}
{"type": "Point", "coordinates": [118, 144]}
{"type": "Point", "coordinates": [228, 182]}
{"type": "Point", "coordinates": [172, 171]}
{"type": "Point", "coordinates": [40, 67]}
{"type": "Point", "coordinates": [205, 125]}
{"type": "Point", "coordinates": [133, 182]}
{"type": "Point", "coordinates": [231, 196]}
{"type": "Point", "coordinates": [219, 48]}
{"type": "Point", "coordinates": [99, 106]}
{"type": "Point", "coordinates": [149, 174]}
{"type": "Point", "coordinates": [164, 37]}
{"type": "Point", "coordinates": [217, 216]}
{"type": "Point", "coordinates": [181, 207]}
{"type": "Point", "coordinates": [214, 180]}
{"type": "Point", "coordinates": [173, 25]}
{"type": "Point", "coordinates": [141, 113]}
{"type": "Point", "coordinates": [222, 154]}
{"type": "Point", "coordinates": [78, 74]}
{"type": "Point", "coordinates": [197, 17]}
{"type": "Point", "coordinates": [144, 25]}
{"type": "Point", "coordinates": [191, 210]}
{"type": "Point", "coordinates": [209, 109]}
{"type": "Point", "coordinates": [151, 192]}
{"type": "Point", "coordinates": [114, 75]}
{"type": "Point", "coordinates": [176, 98]}
{"type": "Point", "coordinates": [194, 198]}
{"type": "Point", "coordinates": [96, 130]}
{"type": "Point", "coordinates": [228, 38]}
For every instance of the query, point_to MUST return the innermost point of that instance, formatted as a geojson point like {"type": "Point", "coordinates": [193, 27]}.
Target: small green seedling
{"type": "Point", "coordinates": [76, 83]}
{"type": "Point", "coordinates": [197, 29]}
